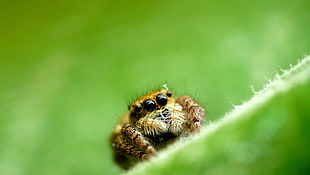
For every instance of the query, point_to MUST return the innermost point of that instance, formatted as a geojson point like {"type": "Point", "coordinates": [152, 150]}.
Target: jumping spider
{"type": "Point", "coordinates": [152, 122]}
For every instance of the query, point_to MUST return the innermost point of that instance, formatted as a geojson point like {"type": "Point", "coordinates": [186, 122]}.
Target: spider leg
{"type": "Point", "coordinates": [194, 111]}
{"type": "Point", "coordinates": [125, 153]}
{"type": "Point", "coordinates": [138, 139]}
{"type": "Point", "coordinates": [130, 146]}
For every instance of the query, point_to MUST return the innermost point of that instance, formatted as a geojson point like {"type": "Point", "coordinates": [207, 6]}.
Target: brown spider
{"type": "Point", "coordinates": [152, 122]}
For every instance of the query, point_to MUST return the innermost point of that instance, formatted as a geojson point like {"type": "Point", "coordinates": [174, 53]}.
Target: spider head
{"type": "Point", "coordinates": [150, 103]}
{"type": "Point", "coordinates": [156, 113]}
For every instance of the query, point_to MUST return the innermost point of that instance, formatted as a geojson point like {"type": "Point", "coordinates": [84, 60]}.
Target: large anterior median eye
{"type": "Point", "coordinates": [161, 100]}
{"type": "Point", "coordinates": [149, 105]}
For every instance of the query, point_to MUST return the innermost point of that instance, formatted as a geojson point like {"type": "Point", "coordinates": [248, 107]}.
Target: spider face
{"type": "Point", "coordinates": [151, 123]}
{"type": "Point", "coordinates": [149, 103]}
{"type": "Point", "coordinates": [156, 113]}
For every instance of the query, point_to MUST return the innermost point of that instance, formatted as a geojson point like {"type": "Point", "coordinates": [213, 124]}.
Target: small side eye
{"type": "Point", "coordinates": [169, 93]}
{"type": "Point", "coordinates": [138, 108]}
{"type": "Point", "coordinates": [161, 99]}
{"type": "Point", "coordinates": [149, 105]}
{"type": "Point", "coordinates": [128, 107]}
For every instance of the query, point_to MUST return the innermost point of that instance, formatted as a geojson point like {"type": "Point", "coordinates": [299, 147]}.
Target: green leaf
{"type": "Point", "coordinates": [269, 134]}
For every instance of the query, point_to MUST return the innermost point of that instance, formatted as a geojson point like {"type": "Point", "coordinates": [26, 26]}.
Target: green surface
{"type": "Point", "coordinates": [69, 69]}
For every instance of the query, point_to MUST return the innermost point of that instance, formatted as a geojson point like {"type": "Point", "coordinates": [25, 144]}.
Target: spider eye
{"type": "Point", "coordinates": [138, 108]}
{"type": "Point", "coordinates": [169, 93]}
{"type": "Point", "coordinates": [149, 105]}
{"type": "Point", "coordinates": [161, 99]}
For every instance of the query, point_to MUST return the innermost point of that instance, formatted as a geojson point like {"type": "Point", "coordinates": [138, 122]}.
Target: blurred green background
{"type": "Point", "coordinates": [68, 69]}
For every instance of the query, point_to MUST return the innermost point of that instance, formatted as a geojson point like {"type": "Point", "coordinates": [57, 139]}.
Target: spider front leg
{"type": "Point", "coordinates": [138, 139]}
{"type": "Point", "coordinates": [195, 113]}
{"type": "Point", "coordinates": [130, 146]}
{"type": "Point", "coordinates": [124, 147]}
